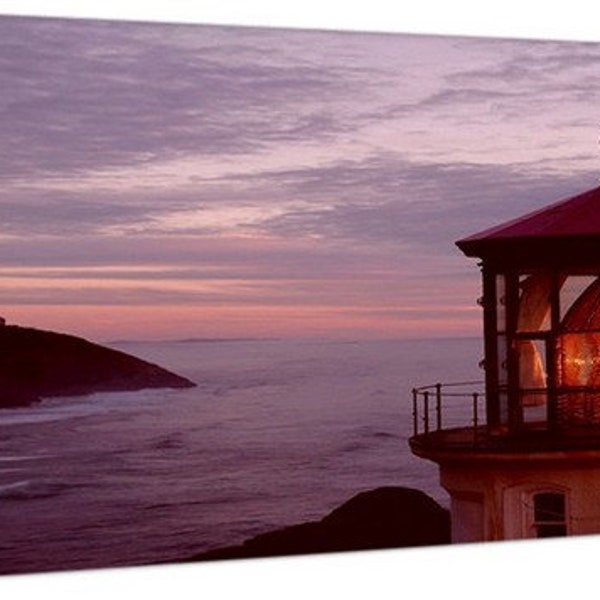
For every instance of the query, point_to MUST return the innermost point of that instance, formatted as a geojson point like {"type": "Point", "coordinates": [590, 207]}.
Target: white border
{"type": "Point", "coordinates": [559, 568]}
{"type": "Point", "coordinates": [573, 20]}
{"type": "Point", "coordinates": [550, 569]}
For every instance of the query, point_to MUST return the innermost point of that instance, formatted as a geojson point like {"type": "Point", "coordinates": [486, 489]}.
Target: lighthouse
{"type": "Point", "coordinates": [519, 453]}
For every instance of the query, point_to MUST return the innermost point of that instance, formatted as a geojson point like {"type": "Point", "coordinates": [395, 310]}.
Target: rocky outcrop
{"type": "Point", "coordinates": [387, 517]}
{"type": "Point", "coordinates": [37, 364]}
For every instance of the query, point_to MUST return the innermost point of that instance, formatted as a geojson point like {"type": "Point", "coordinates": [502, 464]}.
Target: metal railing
{"type": "Point", "coordinates": [452, 415]}
{"type": "Point", "coordinates": [447, 405]}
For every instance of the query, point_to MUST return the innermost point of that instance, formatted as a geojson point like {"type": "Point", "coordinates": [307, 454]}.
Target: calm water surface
{"type": "Point", "coordinates": [276, 433]}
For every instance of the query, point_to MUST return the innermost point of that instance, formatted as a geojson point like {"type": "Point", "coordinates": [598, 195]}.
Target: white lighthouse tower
{"type": "Point", "coordinates": [527, 463]}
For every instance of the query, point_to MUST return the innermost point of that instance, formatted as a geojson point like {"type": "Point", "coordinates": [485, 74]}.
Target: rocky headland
{"type": "Point", "coordinates": [387, 517]}
{"type": "Point", "coordinates": [36, 364]}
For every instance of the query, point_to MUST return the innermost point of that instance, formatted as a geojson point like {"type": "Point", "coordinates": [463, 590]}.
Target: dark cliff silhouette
{"type": "Point", "coordinates": [37, 364]}
{"type": "Point", "coordinates": [387, 517]}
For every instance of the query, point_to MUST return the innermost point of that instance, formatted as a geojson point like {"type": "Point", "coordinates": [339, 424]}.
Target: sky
{"type": "Point", "coordinates": [183, 181]}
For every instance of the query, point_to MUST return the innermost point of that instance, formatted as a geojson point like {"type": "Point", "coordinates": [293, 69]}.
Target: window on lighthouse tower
{"type": "Point", "coordinates": [549, 514]}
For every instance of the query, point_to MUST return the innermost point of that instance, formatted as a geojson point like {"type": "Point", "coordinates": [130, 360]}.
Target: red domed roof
{"type": "Point", "coordinates": [571, 226]}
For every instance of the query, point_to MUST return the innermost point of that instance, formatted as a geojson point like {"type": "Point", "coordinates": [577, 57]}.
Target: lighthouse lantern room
{"type": "Point", "coordinates": [527, 464]}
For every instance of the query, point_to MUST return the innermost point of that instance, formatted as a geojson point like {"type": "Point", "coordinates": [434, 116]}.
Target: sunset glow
{"type": "Point", "coordinates": [187, 181]}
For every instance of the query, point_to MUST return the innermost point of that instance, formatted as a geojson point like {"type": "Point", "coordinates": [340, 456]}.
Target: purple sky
{"type": "Point", "coordinates": [189, 181]}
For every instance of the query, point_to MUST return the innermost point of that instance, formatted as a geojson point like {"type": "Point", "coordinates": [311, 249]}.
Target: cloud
{"type": "Point", "coordinates": [186, 165]}
{"type": "Point", "coordinates": [64, 215]}
{"type": "Point", "coordinates": [85, 95]}
{"type": "Point", "coordinates": [529, 62]}
{"type": "Point", "coordinates": [387, 200]}
{"type": "Point", "coordinates": [391, 199]}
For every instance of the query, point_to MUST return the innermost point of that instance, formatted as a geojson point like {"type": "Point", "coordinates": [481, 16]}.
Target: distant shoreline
{"type": "Point", "coordinates": [196, 341]}
{"type": "Point", "coordinates": [217, 340]}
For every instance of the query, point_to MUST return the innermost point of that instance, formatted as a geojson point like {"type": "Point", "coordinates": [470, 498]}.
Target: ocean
{"type": "Point", "coordinates": [277, 432]}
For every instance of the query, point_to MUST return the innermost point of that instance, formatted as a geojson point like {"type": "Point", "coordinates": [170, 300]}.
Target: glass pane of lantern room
{"type": "Point", "coordinates": [533, 325]}
{"type": "Point", "coordinates": [533, 394]}
{"type": "Point", "coordinates": [579, 368]}
{"type": "Point", "coordinates": [534, 303]}
{"type": "Point", "coordinates": [578, 352]}
{"type": "Point", "coordinates": [572, 289]}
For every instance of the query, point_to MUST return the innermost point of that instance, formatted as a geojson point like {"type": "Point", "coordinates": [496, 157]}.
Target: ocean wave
{"type": "Point", "coordinates": [72, 407]}
{"type": "Point", "coordinates": [31, 490]}
{"type": "Point", "coordinates": [19, 458]}
{"type": "Point", "coordinates": [169, 442]}
{"type": "Point", "coordinates": [10, 488]}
